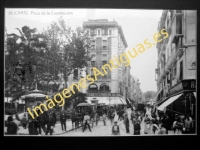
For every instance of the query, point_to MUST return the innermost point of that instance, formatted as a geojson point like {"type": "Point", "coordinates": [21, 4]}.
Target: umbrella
{"type": "Point", "coordinates": [83, 104]}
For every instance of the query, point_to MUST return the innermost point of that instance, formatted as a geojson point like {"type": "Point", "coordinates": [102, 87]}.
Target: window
{"type": "Point", "coordinates": [104, 47]}
{"type": "Point", "coordinates": [104, 42]}
{"type": "Point", "coordinates": [104, 62]}
{"type": "Point", "coordinates": [91, 32]}
{"type": "Point", "coordinates": [92, 47]}
{"type": "Point", "coordinates": [179, 24]}
{"type": "Point", "coordinates": [104, 87]}
{"type": "Point", "coordinates": [110, 32]}
{"type": "Point", "coordinates": [104, 55]}
{"type": "Point", "coordinates": [98, 32]}
{"type": "Point", "coordinates": [105, 32]}
{"type": "Point", "coordinates": [93, 56]}
{"type": "Point", "coordinates": [174, 72]}
{"type": "Point", "coordinates": [93, 87]}
{"type": "Point", "coordinates": [93, 63]}
{"type": "Point", "coordinates": [92, 42]}
{"type": "Point", "coordinates": [181, 70]}
{"type": "Point", "coordinates": [105, 76]}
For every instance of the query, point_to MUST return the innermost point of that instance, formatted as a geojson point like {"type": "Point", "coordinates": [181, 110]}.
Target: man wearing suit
{"type": "Point", "coordinates": [63, 118]}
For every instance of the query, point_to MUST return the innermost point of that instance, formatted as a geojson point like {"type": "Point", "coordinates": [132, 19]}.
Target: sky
{"type": "Point", "coordinates": [137, 25]}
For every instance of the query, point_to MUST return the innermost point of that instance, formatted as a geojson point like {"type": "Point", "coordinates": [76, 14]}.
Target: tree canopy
{"type": "Point", "coordinates": [41, 57]}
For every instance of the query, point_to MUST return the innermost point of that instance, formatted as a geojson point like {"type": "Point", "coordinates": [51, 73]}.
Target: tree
{"type": "Point", "coordinates": [40, 57]}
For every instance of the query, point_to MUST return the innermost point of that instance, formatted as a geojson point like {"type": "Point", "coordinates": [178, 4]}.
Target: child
{"type": "Point", "coordinates": [115, 129]}
{"type": "Point", "coordinates": [104, 119]}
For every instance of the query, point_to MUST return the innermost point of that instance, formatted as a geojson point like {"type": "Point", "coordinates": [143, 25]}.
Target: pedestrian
{"type": "Point", "coordinates": [50, 122]}
{"type": "Point", "coordinates": [155, 123]}
{"type": "Point", "coordinates": [63, 118]}
{"type": "Point", "coordinates": [162, 129]}
{"type": "Point", "coordinates": [97, 118]}
{"type": "Point", "coordinates": [132, 115]}
{"type": "Point", "coordinates": [178, 125]}
{"type": "Point", "coordinates": [115, 129]}
{"type": "Point", "coordinates": [174, 123]}
{"type": "Point", "coordinates": [33, 127]}
{"type": "Point", "coordinates": [112, 116]}
{"type": "Point", "coordinates": [12, 127]}
{"type": "Point", "coordinates": [188, 125]}
{"type": "Point", "coordinates": [126, 122]}
{"type": "Point", "coordinates": [104, 119]}
{"type": "Point", "coordinates": [147, 122]}
{"type": "Point", "coordinates": [166, 122]}
{"type": "Point", "coordinates": [137, 126]}
{"type": "Point", "coordinates": [86, 122]}
{"type": "Point", "coordinates": [24, 121]}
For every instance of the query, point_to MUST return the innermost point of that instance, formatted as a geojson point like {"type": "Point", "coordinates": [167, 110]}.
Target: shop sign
{"type": "Point", "coordinates": [102, 95]}
{"type": "Point", "coordinates": [189, 84]}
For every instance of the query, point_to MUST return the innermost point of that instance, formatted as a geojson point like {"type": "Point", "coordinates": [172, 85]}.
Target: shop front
{"type": "Point", "coordinates": [182, 99]}
{"type": "Point", "coordinates": [109, 99]}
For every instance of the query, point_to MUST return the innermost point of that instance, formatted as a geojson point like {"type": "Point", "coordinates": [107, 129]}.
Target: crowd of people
{"type": "Point", "coordinates": [153, 123]}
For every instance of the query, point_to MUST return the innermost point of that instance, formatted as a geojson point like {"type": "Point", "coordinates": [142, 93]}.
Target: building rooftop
{"type": "Point", "coordinates": [105, 23]}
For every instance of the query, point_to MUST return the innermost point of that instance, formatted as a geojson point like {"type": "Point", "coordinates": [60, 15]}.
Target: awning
{"type": "Point", "coordinates": [128, 100]}
{"type": "Point", "coordinates": [108, 100]}
{"type": "Point", "coordinates": [168, 102]}
{"type": "Point", "coordinates": [195, 94]}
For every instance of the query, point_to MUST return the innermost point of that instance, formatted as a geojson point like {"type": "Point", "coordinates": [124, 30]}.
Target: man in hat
{"type": "Point", "coordinates": [50, 122]}
{"type": "Point", "coordinates": [63, 118]}
{"type": "Point", "coordinates": [115, 129]}
{"type": "Point", "coordinates": [11, 126]}
{"type": "Point", "coordinates": [137, 126]}
{"type": "Point", "coordinates": [126, 122]}
{"type": "Point", "coordinates": [33, 127]}
{"type": "Point", "coordinates": [86, 121]}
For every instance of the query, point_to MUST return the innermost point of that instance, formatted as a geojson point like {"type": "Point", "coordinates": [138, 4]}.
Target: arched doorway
{"type": "Point", "coordinates": [104, 87]}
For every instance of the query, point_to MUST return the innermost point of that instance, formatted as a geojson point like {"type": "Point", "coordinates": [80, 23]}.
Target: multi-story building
{"type": "Point", "coordinates": [107, 41]}
{"type": "Point", "coordinates": [137, 94]}
{"type": "Point", "coordinates": [176, 72]}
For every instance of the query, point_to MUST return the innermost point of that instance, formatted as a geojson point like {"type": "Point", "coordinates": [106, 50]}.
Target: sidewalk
{"type": "Point", "coordinates": [122, 126]}
{"type": "Point", "coordinates": [57, 129]}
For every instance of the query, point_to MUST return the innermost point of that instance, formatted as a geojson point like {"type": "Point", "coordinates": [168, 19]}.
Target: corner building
{"type": "Point", "coordinates": [176, 67]}
{"type": "Point", "coordinates": [107, 40]}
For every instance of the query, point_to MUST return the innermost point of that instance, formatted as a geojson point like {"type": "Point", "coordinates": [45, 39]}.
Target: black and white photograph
{"type": "Point", "coordinates": [80, 72]}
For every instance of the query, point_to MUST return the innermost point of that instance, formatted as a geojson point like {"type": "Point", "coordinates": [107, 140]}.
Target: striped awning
{"type": "Point", "coordinates": [128, 100]}
{"type": "Point", "coordinates": [168, 102]}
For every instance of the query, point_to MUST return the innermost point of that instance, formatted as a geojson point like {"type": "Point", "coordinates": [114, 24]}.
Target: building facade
{"type": "Point", "coordinates": [176, 66]}
{"type": "Point", "coordinates": [107, 41]}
